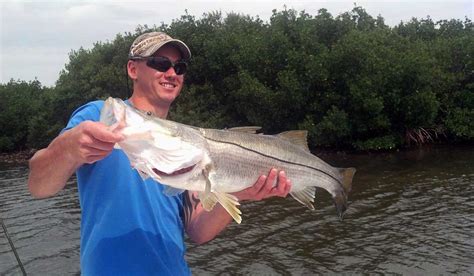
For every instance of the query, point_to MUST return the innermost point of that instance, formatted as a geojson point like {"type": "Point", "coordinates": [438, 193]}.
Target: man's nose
{"type": "Point", "coordinates": [170, 72]}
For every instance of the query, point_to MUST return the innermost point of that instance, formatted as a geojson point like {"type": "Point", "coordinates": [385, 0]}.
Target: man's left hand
{"type": "Point", "coordinates": [265, 188]}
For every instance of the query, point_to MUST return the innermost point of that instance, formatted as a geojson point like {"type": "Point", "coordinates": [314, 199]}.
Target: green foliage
{"type": "Point", "coordinates": [19, 101]}
{"type": "Point", "coordinates": [461, 122]}
{"type": "Point", "coordinates": [350, 80]}
{"type": "Point", "coordinates": [387, 142]}
{"type": "Point", "coordinates": [334, 128]}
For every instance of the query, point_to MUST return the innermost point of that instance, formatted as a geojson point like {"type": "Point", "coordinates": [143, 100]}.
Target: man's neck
{"type": "Point", "coordinates": [156, 109]}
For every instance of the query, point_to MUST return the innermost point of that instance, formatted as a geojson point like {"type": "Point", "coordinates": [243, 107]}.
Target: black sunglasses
{"type": "Point", "coordinates": [163, 64]}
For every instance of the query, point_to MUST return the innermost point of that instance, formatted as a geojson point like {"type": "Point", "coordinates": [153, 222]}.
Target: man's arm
{"type": "Point", "coordinates": [50, 168]}
{"type": "Point", "coordinates": [202, 226]}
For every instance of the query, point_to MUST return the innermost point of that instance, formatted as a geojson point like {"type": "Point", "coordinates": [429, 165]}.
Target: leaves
{"type": "Point", "coordinates": [350, 80]}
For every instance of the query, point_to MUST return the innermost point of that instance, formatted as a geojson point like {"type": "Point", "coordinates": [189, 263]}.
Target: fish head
{"type": "Point", "coordinates": [113, 112]}
{"type": "Point", "coordinates": [169, 152]}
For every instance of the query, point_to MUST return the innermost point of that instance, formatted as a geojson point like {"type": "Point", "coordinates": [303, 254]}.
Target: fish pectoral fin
{"type": "Point", "coordinates": [208, 199]}
{"type": "Point", "coordinates": [230, 203]}
{"type": "Point", "coordinates": [305, 196]}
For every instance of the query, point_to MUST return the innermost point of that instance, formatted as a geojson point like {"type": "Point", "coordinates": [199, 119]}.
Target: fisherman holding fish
{"type": "Point", "coordinates": [129, 225]}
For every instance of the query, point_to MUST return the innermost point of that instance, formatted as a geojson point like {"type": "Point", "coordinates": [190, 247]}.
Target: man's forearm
{"type": "Point", "coordinates": [50, 169]}
{"type": "Point", "coordinates": [207, 225]}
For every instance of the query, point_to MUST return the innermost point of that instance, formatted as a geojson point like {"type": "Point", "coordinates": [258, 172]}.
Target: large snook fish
{"type": "Point", "coordinates": [216, 163]}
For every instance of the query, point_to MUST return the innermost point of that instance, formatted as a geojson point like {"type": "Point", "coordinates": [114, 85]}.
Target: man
{"type": "Point", "coordinates": [128, 225]}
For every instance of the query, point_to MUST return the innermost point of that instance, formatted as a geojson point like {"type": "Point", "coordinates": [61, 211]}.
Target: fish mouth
{"type": "Point", "coordinates": [178, 172]}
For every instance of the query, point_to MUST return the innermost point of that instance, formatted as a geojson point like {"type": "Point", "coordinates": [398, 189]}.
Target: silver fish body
{"type": "Point", "coordinates": [219, 162]}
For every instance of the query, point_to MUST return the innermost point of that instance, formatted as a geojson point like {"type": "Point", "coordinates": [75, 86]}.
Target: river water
{"type": "Point", "coordinates": [411, 212]}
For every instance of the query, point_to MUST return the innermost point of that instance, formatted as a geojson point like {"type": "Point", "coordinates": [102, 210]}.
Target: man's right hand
{"type": "Point", "coordinates": [50, 168]}
{"type": "Point", "coordinates": [91, 141]}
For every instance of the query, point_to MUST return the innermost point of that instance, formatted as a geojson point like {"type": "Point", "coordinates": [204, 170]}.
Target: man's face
{"type": "Point", "coordinates": [160, 87]}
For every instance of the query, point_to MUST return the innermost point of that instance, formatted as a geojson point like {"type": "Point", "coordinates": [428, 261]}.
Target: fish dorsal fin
{"type": "Point", "coordinates": [246, 129]}
{"type": "Point", "coordinates": [297, 137]}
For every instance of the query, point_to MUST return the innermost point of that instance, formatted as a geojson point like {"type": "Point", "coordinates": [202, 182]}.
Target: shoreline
{"type": "Point", "coordinates": [22, 156]}
{"type": "Point", "coordinates": [17, 157]}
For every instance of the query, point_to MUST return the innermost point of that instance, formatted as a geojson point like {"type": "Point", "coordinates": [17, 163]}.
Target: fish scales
{"type": "Point", "coordinates": [238, 168]}
{"type": "Point", "coordinates": [270, 147]}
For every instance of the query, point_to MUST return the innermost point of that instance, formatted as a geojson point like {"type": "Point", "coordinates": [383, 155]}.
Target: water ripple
{"type": "Point", "coordinates": [410, 213]}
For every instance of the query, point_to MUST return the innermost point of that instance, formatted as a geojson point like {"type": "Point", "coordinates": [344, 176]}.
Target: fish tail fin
{"type": "Point", "coordinates": [340, 199]}
{"type": "Point", "coordinates": [305, 196]}
{"type": "Point", "coordinates": [347, 175]}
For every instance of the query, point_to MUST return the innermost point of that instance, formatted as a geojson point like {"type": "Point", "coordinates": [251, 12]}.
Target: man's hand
{"type": "Point", "coordinates": [50, 168]}
{"type": "Point", "coordinates": [91, 141]}
{"type": "Point", "coordinates": [264, 187]}
{"type": "Point", "coordinates": [203, 226]}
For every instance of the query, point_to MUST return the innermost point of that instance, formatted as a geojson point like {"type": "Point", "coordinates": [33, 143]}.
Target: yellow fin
{"type": "Point", "coordinates": [297, 137]}
{"type": "Point", "coordinates": [208, 200]}
{"type": "Point", "coordinates": [305, 196]}
{"type": "Point", "coordinates": [246, 129]}
{"type": "Point", "coordinates": [347, 175]}
{"type": "Point", "coordinates": [230, 203]}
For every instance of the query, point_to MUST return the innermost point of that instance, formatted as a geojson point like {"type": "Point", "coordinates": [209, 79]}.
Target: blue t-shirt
{"type": "Point", "coordinates": [128, 226]}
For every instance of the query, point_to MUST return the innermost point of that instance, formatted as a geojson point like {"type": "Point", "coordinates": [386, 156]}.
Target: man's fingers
{"type": "Point", "coordinates": [100, 132]}
{"type": "Point", "coordinates": [269, 183]}
{"type": "Point", "coordinates": [281, 183]}
{"type": "Point", "coordinates": [260, 182]}
{"type": "Point", "coordinates": [99, 145]}
{"type": "Point", "coordinates": [96, 157]}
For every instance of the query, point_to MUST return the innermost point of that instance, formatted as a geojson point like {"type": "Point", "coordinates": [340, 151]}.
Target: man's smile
{"type": "Point", "coordinates": [168, 84]}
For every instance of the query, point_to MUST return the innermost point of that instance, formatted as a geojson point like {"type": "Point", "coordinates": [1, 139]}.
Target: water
{"type": "Point", "coordinates": [410, 213]}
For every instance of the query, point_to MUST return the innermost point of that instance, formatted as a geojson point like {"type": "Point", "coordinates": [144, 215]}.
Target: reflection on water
{"type": "Point", "coordinates": [410, 213]}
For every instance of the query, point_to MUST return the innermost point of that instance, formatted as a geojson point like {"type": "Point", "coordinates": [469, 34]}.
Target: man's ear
{"type": "Point", "coordinates": [132, 69]}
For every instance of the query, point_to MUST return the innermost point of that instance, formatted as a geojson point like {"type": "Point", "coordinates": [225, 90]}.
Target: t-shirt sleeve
{"type": "Point", "coordinates": [87, 112]}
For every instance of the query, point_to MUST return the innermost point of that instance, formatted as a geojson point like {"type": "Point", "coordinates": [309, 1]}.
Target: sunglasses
{"type": "Point", "coordinates": [163, 64]}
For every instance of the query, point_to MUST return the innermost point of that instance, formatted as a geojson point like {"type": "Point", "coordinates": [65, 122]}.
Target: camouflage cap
{"type": "Point", "coordinates": [148, 43]}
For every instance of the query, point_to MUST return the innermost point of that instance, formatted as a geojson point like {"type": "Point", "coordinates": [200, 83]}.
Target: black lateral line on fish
{"type": "Point", "coordinates": [281, 160]}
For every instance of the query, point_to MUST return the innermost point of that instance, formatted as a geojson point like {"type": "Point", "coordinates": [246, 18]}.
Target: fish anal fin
{"type": "Point", "coordinates": [305, 196]}
{"type": "Point", "coordinates": [245, 129]}
{"type": "Point", "coordinates": [297, 137]}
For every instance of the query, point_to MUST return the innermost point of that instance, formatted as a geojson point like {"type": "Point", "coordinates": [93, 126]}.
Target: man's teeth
{"type": "Point", "coordinates": [168, 85]}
